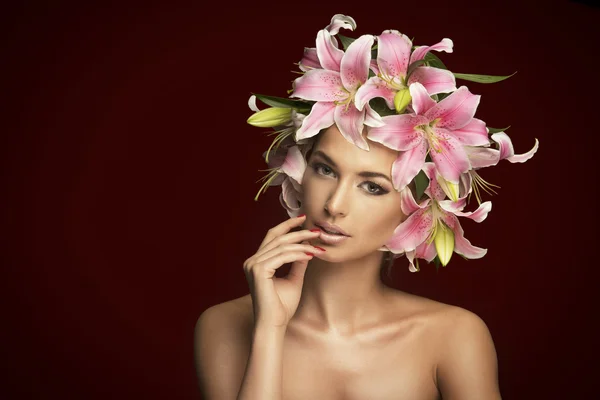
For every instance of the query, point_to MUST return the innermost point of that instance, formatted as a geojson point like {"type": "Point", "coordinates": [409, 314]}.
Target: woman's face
{"type": "Point", "coordinates": [352, 189]}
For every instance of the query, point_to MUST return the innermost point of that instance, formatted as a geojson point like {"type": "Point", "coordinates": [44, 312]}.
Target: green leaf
{"type": "Point", "coordinates": [442, 96]}
{"type": "Point", "coordinates": [482, 78]}
{"type": "Point", "coordinates": [421, 182]}
{"type": "Point", "coordinates": [433, 61]}
{"type": "Point", "coordinates": [284, 103]}
{"type": "Point", "coordinates": [379, 105]}
{"type": "Point", "coordinates": [414, 66]}
{"type": "Point", "coordinates": [496, 130]}
{"type": "Point", "coordinates": [345, 40]}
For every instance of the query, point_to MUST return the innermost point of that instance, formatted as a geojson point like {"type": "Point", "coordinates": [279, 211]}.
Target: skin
{"type": "Point", "coordinates": [342, 290]}
{"type": "Point", "coordinates": [352, 337]}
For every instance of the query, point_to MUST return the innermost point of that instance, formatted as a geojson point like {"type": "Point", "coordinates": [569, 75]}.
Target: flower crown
{"type": "Point", "coordinates": [409, 101]}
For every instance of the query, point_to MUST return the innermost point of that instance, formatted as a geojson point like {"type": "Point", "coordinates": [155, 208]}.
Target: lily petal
{"type": "Point", "coordinates": [252, 104]}
{"type": "Point", "coordinates": [354, 68]}
{"type": "Point", "coordinates": [350, 122]}
{"type": "Point", "coordinates": [435, 80]}
{"type": "Point", "coordinates": [329, 55]}
{"type": "Point", "coordinates": [393, 53]}
{"type": "Point", "coordinates": [481, 157]}
{"type": "Point", "coordinates": [410, 256]}
{"type": "Point", "coordinates": [449, 155]}
{"type": "Point", "coordinates": [461, 245]}
{"type": "Point", "coordinates": [434, 190]}
{"type": "Point", "coordinates": [473, 134]}
{"type": "Point", "coordinates": [426, 251]}
{"type": "Point", "coordinates": [456, 110]}
{"type": "Point", "coordinates": [289, 199]}
{"type": "Point", "coordinates": [478, 215]}
{"type": "Point", "coordinates": [419, 53]}
{"type": "Point", "coordinates": [294, 164]}
{"type": "Point", "coordinates": [399, 132]}
{"type": "Point", "coordinates": [408, 204]}
{"type": "Point", "coordinates": [372, 117]}
{"type": "Point", "coordinates": [507, 151]}
{"type": "Point", "coordinates": [310, 60]}
{"type": "Point", "coordinates": [319, 85]}
{"type": "Point", "coordinates": [320, 117]}
{"type": "Point", "coordinates": [374, 67]}
{"type": "Point", "coordinates": [408, 164]}
{"type": "Point", "coordinates": [421, 101]}
{"type": "Point", "coordinates": [374, 87]}
{"type": "Point", "coordinates": [341, 21]}
{"type": "Point", "coordinates": [453, 206]}
{"type": "Point", "coordinates": [412, 232]}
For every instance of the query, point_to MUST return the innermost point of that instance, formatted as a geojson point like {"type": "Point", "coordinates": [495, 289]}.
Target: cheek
{"type": "Point", "coordinates": [311, 192]}
{"type": "Point", "coordinates": [380, 222]}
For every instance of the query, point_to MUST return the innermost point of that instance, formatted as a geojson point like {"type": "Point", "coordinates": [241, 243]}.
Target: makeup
{"type": "Point", "coordinates": [330, 238]}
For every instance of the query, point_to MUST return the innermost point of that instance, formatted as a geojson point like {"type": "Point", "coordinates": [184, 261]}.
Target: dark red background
{"type": "Point", "coordinates": [128, 178]}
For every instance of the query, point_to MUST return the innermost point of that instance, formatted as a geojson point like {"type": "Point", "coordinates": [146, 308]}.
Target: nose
{"type": "Point", "coordinates": [339, 199]}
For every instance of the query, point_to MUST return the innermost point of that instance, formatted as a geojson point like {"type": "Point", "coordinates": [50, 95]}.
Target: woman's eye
{"type": "Point", "coordinates": [375, 189]}
{"type": "Point", "coordinates": [323, 169]}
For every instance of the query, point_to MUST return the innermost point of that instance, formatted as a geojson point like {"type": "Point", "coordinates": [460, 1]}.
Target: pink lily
{"type": "Point", "coordinates": [415, 235]}
{"type": "Point", "coordinates": [286, 168]}
{"type": "Point", "coordinates": [310, 60]}
{"type": "Point", "coordinates": [334, 92]}
{"type": "Point", "coordinates": [438, 129]}
{"type": "Point", "coordinates": [393, 58]}
{"type": "Point", "coordinates": [481, 157]}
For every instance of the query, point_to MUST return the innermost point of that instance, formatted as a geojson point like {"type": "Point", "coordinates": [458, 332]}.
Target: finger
{"type": "Point", "coordinates": [288, 238]}
{"type": "Point", "coordinates": [297, 271]}
{"type": "Point", "coordinates": [282, 228]}
{"type": "Point", "coordinates": [307, 248]}
{"type": "Point", "coordinates": [266, 269]}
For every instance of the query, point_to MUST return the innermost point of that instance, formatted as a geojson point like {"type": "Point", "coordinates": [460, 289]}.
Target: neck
{"type": "Point", "coordinates": [341, 298]}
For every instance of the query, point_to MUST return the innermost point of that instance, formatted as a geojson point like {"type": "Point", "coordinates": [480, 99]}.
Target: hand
{"type": "Point", "coordinates": [275, 300]}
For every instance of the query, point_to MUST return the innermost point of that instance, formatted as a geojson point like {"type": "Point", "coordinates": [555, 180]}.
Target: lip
{"type": "Point", "coordinates": [329, 238]}
{"type": "Point", "coordinates": [331, 227]}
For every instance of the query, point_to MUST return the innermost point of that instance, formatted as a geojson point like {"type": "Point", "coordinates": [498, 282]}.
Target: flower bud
{"type": "Point", "coordinates": [450, 188]}
{"type": "Point", "coordinates": [444, 243]}
{"type": "Point", "coordinates": [271, 117]}
{"type": "Point", "coordinates": [401, 100]}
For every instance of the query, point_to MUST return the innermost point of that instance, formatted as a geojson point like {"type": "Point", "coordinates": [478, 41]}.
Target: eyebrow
{"type": "Point", "coordinates": [364, 174]}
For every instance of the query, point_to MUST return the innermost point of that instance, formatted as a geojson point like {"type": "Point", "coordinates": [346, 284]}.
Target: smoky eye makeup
{"type": "Point", "coordinates": [370, 187]}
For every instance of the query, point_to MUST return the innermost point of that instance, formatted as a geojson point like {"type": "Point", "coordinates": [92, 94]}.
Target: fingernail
{"type": "Point", "coordinates": [315, 230]}
{"type": "Point", "coordinates": [301, 215]}
{"type": "Point", "coordinates": [309, 254]}
{"type": "Point", "coordinates": [320, 248]}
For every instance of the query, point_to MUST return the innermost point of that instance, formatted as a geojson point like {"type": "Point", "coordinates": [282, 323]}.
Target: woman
{"type": "Point", "coordinates": [331, 329]}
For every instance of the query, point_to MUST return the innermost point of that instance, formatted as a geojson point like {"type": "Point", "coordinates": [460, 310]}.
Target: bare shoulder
{"type": "Point", "coordinates": [441, 316]}
{"type": "Point", "coordinates": [466, 364]}
{"type": "Point", "coordinates": [452, 326]}
{"type": "Point", "coordinates": [221, 348]}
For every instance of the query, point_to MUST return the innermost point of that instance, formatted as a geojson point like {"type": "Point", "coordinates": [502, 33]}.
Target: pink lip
{"type": "Point", "coordinates": [329, 238]}
{"type": "Point", "coordinates": [331, 227]}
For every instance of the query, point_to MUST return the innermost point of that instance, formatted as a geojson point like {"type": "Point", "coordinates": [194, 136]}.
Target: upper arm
{"type": "Point", "coordinates": [220, 353]}
{"type": "Point", "coordinates": [468, 366]}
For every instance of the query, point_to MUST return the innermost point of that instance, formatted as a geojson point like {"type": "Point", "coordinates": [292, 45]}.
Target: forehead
{"type": "Point", "coordinates": [347, 155]}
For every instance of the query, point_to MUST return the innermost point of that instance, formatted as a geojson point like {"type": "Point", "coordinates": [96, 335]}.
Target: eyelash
{"type": "Point", "coordinates": [380, 190]}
